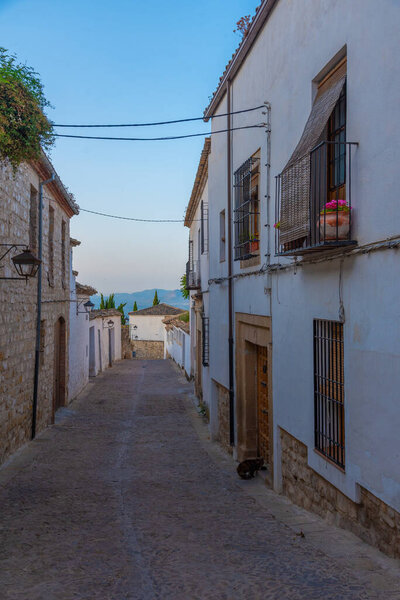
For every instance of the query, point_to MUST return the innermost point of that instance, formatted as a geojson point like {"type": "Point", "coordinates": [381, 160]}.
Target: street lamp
{"type": "Point", "coordinates": [25, 263]}
{"type": "Point", "coordinates": [110, 324]}
{"type": "Point", "coordinates": [88, 306]}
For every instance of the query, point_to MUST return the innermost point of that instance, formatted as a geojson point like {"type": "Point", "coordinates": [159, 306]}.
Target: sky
{"type": "Point", "coordinates": [123, 62]}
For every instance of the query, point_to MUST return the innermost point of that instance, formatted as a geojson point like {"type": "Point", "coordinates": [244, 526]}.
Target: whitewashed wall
{"type": "Point", "coordinates": [298, 41]}
{"type": "Point", "coordinates": [149, 327]}
{"type": "Point", "coordinates": [78, 343]}
{"type": "Point", "coordinates": [177, 345]}
{"type": "Point", "coordinates": [100, 336]}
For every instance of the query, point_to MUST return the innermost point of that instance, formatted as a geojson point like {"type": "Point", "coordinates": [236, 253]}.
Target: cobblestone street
{"type": "Point", "coordinates": [125, 498]}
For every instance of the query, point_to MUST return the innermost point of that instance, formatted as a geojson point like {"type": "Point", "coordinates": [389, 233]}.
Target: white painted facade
{"type": "Point", "coordinates": [294, 48]}
{"type": "Point", "coordinates": [177, 346]}
{"type": "Point", "coordinates": [197, 219]}
{"type": "Point", "coordinates": [104, 340]}
{"type": "Point", "coordinates": [149, 328]}
{"type": "Point", "coordinates": [78, 341]}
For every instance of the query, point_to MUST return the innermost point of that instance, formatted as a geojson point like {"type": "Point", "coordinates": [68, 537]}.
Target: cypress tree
{"type": "Point", "coordinates": [156, 300]}
{"type": "Point", "coordinates": [135, 307]}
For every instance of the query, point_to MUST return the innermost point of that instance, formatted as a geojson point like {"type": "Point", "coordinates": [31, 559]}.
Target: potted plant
{"type": "Point", "coordinates": [254, 243]}
{"type": "Point", "coordinates": [334, 221]}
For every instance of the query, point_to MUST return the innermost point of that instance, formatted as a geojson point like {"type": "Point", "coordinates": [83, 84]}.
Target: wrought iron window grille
{"type": "Point", "coordinates": [205, 351]}
{"type": "Point", "coordinates": [204, 227]}
{"type": "Point", "coordinates": [192, 270]}
{"type": "Point", "coordinates": [246, 209]}
{"type": "Point", "coordinates": [329, 390]}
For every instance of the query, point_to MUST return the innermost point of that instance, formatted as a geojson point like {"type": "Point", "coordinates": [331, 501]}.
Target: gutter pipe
{"type": "Point", "coordinates": [230, 280]}
{"type": "Point", "coordinates": [39, 307]}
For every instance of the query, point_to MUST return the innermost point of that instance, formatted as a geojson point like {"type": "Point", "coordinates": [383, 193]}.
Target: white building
{"type": "Point", "coordinates": [104, 339]}
{"type": "Point", "coordinates": [146, 330]}
{"type": "Point", "coordinates": [305, 334]}
{"type": "Point", "coordinates": [197, 274]}
{"type": "Point", "coordinates": [177, 343]}
{"type": "Point", "coordinates": [78, 340]}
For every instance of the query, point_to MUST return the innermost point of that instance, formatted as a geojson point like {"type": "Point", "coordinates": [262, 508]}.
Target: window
{"type": "Point", "coordinates": [329, 390]}
{"type": "Point", "coordinates": [313, 195]}
{"type": "Point", "coordinates": [33, 221]}
{"type": "Point", "coordinates": [204, 227]}
{"type": "Point", "coordinates": [192, 268]}
{"type": "Point", "coordinates": [63, 228]}
{"type": "Point", "coordinates": [246, 208]}
{"type": "Point", "coordinates": [222, 241]}
{"type": "Point", "coordinates": [50, 272]}
{"type": "Point", "coordinates": [205, 339]}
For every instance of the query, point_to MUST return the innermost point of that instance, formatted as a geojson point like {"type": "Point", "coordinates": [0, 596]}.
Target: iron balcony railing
{"type": "Point", "coordinates": [313, 201]}
{"type": "Point", "coordinates": [192, 275]}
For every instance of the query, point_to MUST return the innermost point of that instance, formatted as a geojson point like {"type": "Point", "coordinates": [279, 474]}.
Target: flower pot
{"type": "Point", "coordinates": [254, 245]}
{"type": "Point", "coordinates": [334, 226]}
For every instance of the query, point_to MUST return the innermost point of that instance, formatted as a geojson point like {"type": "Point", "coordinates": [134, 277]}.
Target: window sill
{"type": "Point", "coordinates": [330, 461]}
{"type": "Point", "coordinates": [253, 261]}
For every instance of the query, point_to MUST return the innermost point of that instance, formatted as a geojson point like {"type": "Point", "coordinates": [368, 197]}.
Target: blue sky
{"type": "Point", "coordinates": [126, 61]}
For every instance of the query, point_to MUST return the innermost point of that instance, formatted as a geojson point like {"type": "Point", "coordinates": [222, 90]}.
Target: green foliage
{"type": "Point", "coordinates": [183, 288]}
{"type": "Point", "coordinates": [24, 128]}
{"type": "Point", "coordinates": [107, 302]}
{"type": "Point", "coordinates": [110, 303]}
{"type": "Point", "coordinates": [156, 300]}
{"type": "Point", "coordinates": [184, 317]}
{"type": "Point", "coordinates": [121, 310]}
{"type": "Point", "coordinates": [135, 307]}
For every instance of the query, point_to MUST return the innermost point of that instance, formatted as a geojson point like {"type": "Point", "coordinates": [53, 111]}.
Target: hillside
{"type": "Point", "coordinates": [145, 299]}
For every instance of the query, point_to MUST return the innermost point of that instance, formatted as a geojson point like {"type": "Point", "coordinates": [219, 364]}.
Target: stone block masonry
{"type": "Point", "coordinates": [18, 301]}
{"type": "Point", "coordinates": [372, 520]}
{"type": "Point", "coordinates": [223, 417]}
{"type": "Point", "coordinates": [148, 350]}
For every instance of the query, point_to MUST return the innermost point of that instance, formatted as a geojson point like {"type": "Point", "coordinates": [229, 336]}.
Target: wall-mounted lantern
{"type": "Point", "coordinates": [110, 324]}
{"type": "Point", "coordinates": [88, 306]}
{"type": "Point", "coordinates": [25, 263]}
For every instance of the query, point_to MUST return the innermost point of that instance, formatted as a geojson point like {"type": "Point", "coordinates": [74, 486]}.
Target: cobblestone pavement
{"type": "Point", "coordinates": [121, 500]}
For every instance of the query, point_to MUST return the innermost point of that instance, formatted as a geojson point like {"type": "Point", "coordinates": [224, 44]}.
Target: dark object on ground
{"type": "Point", "coordinates": [248, 468]}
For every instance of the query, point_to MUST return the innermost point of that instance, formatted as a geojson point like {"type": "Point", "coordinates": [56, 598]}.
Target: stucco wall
{"type": "Point", "coordinates": [177, 347]}
{"type": "Point", "coordinates": [100, 335]}
{"type": "Point", "coordinates": [149, 327]}
{"type": "Point", "coordinates": [78, 344]}
{"type": "Point", "coordinates": [297, 43]}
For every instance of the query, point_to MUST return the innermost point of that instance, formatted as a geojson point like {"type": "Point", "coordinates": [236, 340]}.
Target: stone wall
{"type": "Point", "coordinates": [223, 417]}
{"type": "Point", "coordinates": [372, 520]}
{"type": "Point", "coordinates": [147, 350]}
{"type": "Point", "coordinates": [126, 348]}
{"type": "Point", "coordinates": [19, 309]}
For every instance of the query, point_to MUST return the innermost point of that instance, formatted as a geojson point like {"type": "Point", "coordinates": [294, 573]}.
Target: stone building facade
{"type": "Point", "coordinates": [19, 202]}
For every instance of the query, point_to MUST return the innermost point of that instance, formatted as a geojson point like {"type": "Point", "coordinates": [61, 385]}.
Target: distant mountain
{"type": "Point", "coordinates": [145, 299]}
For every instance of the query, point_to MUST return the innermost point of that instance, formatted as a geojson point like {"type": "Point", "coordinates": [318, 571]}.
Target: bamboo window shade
{"type": "Point", "coordinates": [295, 177]}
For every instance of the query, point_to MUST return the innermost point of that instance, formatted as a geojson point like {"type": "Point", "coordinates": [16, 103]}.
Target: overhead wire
{"type": "Point", "coordinates": [236, 112]}
{"type": "Point", "coordinates": [155, 139]}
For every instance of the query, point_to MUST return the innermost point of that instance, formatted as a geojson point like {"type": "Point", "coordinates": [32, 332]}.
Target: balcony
{"type": "Point", "coordinates": [193, 275]}
{"type": "Point", "coordinates": [313, 201]}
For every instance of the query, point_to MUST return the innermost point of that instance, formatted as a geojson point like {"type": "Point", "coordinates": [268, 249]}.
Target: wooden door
{"type": "Point", "coordinates": [262, 404]}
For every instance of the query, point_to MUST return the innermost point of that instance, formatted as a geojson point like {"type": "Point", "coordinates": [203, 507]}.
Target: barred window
{"type": "Point", "coordinates": [246, 209]}
{"type": "Point", "coordinates": [204, 227]}
{"type": "Point", "coordinates": [329, 390]}
{"type": "Point", "coordinates": [50, 272]}
{"type": "Point", "coordinates": [205, 339]}
{"type": "Point", "coordinates": [33, 221]}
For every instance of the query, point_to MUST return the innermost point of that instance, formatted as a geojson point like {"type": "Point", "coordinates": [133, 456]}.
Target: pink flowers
{"type": "Point", "coordinates": [336, 206]}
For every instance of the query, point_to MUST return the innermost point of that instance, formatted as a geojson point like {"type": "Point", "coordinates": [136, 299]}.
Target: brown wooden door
{"type": "Point", "coordinates": [262, 404]}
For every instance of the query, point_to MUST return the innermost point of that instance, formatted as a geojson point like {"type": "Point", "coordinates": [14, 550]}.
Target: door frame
{"type": "Point", "coordinates": [251, 331]}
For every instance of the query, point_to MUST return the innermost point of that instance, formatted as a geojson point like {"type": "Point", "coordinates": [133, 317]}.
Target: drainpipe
{"type": "Point", "coordinates": [230, 280]}
{"type": "Point", "coordinates": [39, 307]}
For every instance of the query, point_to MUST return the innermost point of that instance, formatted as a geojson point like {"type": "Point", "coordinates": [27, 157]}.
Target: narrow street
{"type": "Point", "coordinates": [125, 498]}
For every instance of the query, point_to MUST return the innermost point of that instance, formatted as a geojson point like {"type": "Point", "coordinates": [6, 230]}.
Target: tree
{"type": "Point", "coordinates": [135, 307]}
{"type": "Point", "coordinates": [110, 303]}
{"type": "Point", "coordinates": [156, 300]}
{"type": "Point", "coordinates": [24, 128]}
{"type": "Point", "coordinates": [183, 288]}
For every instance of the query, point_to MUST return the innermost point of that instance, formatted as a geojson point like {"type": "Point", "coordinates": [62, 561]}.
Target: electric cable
{"type": "Point", "coordinates": [236, 112]}
{"type": "Point", "coordinates": [94, 212]}
{"type": "Point", "coordinates": [155, 139]}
